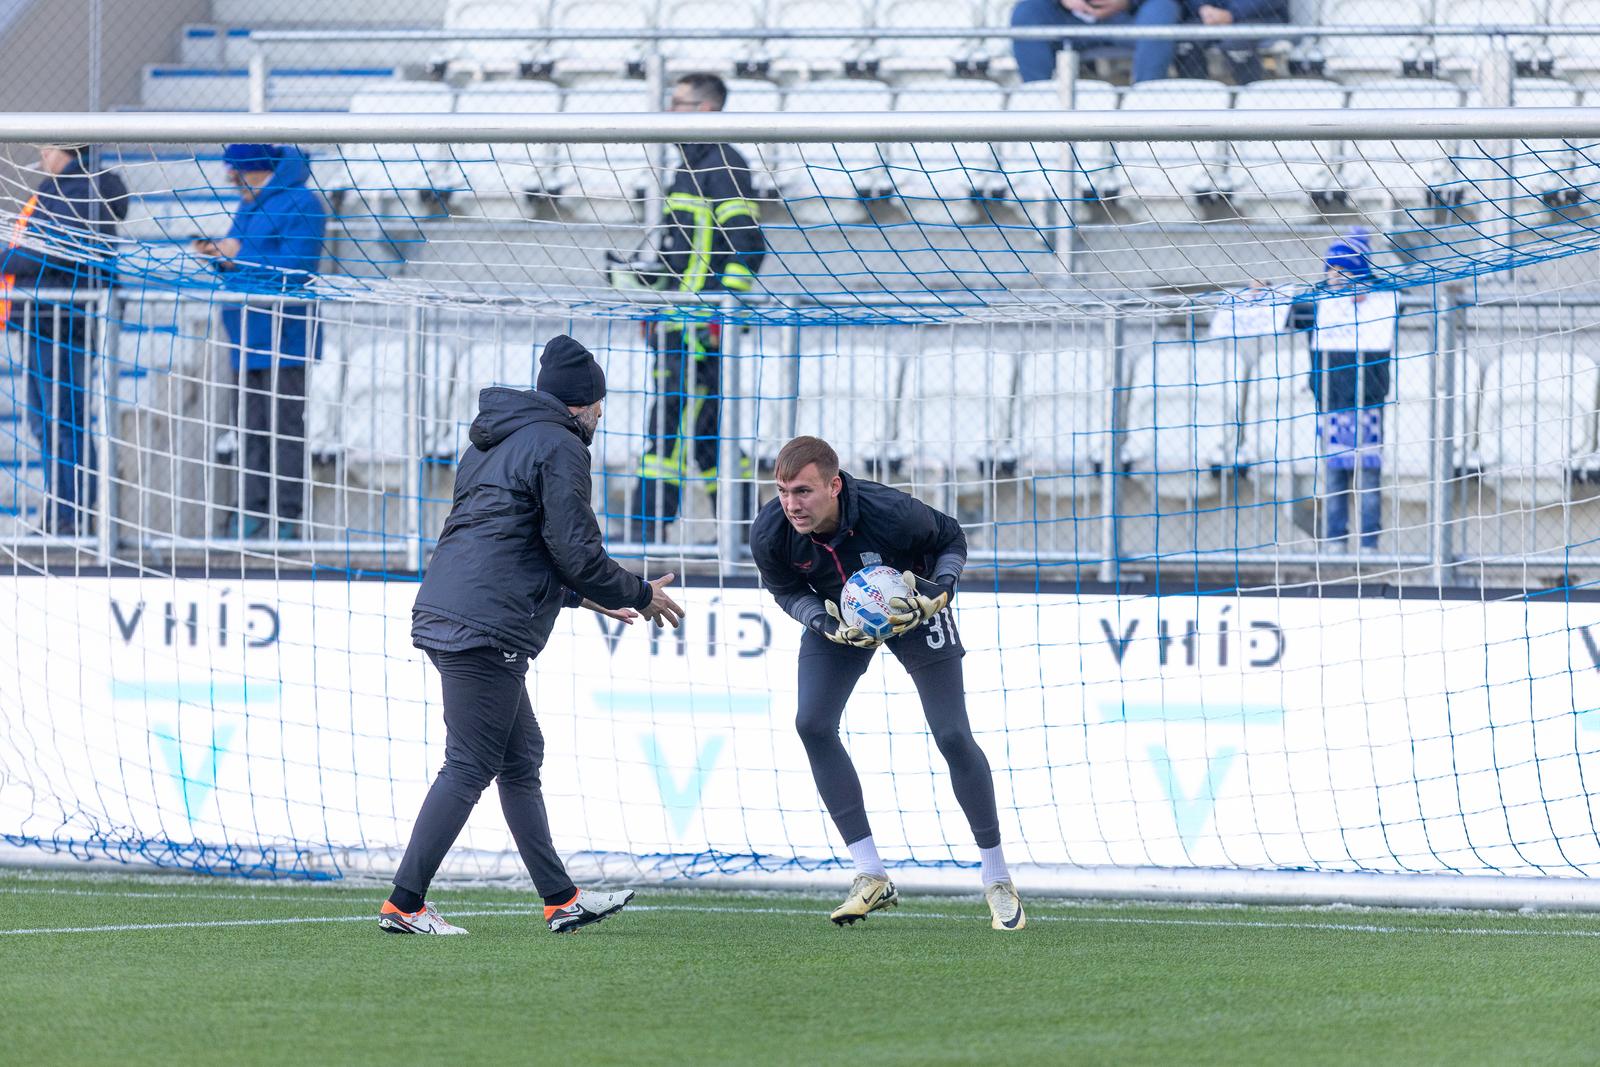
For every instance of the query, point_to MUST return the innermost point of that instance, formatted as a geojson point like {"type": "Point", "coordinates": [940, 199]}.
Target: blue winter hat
{"type": "Point", "coordinates": [1352, 254]}
{"type": "Point", "coordinates": [245, 157]}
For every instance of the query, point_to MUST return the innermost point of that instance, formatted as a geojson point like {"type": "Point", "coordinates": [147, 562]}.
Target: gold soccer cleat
{"type": "Point", "coordinates": [1005, 907]}
{"type": "Point", "coordinates": [867, 895]}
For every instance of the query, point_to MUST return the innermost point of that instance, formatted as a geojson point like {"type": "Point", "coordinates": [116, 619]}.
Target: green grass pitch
{"type": "Point", "coordinates": [214, 972]}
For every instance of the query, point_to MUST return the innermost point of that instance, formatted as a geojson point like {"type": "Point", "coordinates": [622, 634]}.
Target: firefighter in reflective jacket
{"type": "Point", "coordinates": [711, 243]}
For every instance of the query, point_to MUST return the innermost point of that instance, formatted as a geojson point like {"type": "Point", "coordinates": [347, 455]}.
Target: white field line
{"type": "Point", "coordinates": [515, 910]}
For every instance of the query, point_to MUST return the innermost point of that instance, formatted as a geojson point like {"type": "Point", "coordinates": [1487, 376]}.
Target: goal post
{"type": "Point", "coordinates": [1250, 615]}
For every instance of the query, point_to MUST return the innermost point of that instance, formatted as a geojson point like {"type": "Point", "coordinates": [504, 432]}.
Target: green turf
{"type": "Point", "coordinates": [765, 979]}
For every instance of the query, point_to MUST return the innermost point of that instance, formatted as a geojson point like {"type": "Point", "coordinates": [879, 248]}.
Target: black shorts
{"type": "Point", "coordinates": [933, 642]}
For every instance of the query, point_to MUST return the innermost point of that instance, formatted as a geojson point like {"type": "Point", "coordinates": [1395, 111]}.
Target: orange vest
{"type": "Point", "coordinates": [7, 281]}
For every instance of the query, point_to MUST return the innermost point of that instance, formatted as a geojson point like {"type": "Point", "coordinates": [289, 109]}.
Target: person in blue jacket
{"type": "Point", "coordinates": [274, 248]}
{"type": "Point", "coordinates": [60, 241]}
{"type": "Point", "coordinates": [1243, 57]}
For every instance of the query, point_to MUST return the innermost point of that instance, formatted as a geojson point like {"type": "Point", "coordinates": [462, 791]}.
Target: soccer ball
{"type": "Point", "coordinates": [865, 600]}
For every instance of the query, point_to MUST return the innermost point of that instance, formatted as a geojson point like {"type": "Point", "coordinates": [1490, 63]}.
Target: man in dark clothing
{"type": "Point", "coordinates": [1243, 57]}
{"type": "Point", "coordinates": [60, 241]}
{"type": "Point", "coordinates": [824, 526]}
{"type": "Point", "coordinates": [521, 542]}
{"type": "Point", "coordinates": [712, 243]}
{"type": "Point", "coordinates": [273, 247]}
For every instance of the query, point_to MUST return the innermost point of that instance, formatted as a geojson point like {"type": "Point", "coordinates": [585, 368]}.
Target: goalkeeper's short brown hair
{"type": "Point", "coordinates": [801, 452]}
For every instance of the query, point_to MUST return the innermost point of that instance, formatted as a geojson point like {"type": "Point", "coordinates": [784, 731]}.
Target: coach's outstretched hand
{"type": "Point", "coordinates": [834, 629]}
{"type": "Point", "coordinates": [926, 600]}
{"type": "Point", "coordinates": [663, 610]}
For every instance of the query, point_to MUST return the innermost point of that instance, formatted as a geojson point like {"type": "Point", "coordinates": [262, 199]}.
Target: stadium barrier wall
{"type": "Point", "coordinates": [247, 725]}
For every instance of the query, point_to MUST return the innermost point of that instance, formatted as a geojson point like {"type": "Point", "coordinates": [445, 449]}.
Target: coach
{"type": "Point", "coordinates": [521, 541]}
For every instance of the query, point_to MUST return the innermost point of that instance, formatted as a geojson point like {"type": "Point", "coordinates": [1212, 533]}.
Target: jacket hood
{"type": "Point", "coordinates": [293, 170]}
{"type": "Point", "coordinates": [502, 412]}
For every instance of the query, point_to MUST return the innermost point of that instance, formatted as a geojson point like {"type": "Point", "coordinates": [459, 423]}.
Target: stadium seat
{"type": "Point", "coordinates": [1379, 55]}
{"type": "Point", "coordinates": [719, 55]}
{"type": "Point", "coordinates": [373, 172]}
{"type": "Point", "coordinates": [850, 395]}
{"type": "Point", "coordinates": [1546, 170]}
{"type": "Point", "coordinates": [608, 182]}
{"type": "Point", "coordinates": [1183, 414]}
{"type": "Point", "coordinates": [325, 399]}
{"type": "Point", "coordinates": [576, 58]}
{"type": "Point", "coordinates": [1466, 54]}
{"type": "Point", "coordinates": [621, 438]}
{"type": "Point", "coordinates": [1166, 175]}
{"type": "Point", "coordinates": [1412, 419]}
{"type": "Point", "coordinates": [1402, 174]}
{"type": "Point", "coordinates": [943, 55]}
{"type": "Point", "coordinates": [478, 58]}
{"type": "Point", "coordinates": [751, 96]}
{"type": "Point", "coordinates": [1292, 174]}
{"type": "Point", "coordinates": [1052, 171]}
{"type": "Point", "coordinates": [1538, 418]}
{"type": "Point", "coordinates": [1280, 414]}
{"type": "Point", "coordinates": [512, 171]}
{"type": "Point", "coordinates": [943, 180]}
{"type": "Point", "coordinates": [1063, 418]}
{"type": "Point", "coordinates": [1577, 55]}
{"type": "Point", "coordinates": [376, 438]}
{"type": "Point", "coordinates": [958, 401]}
{"type": "Point", "coordinates": [834, 182]}
{"type": "Point", "coordinates": [818, 56]}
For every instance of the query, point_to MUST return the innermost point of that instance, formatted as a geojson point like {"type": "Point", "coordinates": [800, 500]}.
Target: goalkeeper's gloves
{"type": "Point", "coordinates": [925, 600]}
{"type": "Point", "coordinates": [834, 629]}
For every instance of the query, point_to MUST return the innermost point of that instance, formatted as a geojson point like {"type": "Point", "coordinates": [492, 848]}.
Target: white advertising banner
{"type": "Point", "coordinates": [290, 725]}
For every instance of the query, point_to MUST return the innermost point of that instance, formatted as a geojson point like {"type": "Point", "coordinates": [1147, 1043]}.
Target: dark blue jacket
{"type": "Point", "coordinates": [1242, 10]}
{"type": "Point", "coordinates": [521, 532]}
{"type": "Point", "coordinates": [75, 219]}
{"type": "Point", "coordinates": [280, 235]}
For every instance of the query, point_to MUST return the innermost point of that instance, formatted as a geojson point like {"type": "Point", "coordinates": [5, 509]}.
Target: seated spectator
{"type": "Point", "coordinates": [1243, 57]}
{"type": "Point", "coordinates": [274, 247]}
{"type": "Point", "coordinates": [1036, 59]}
{"type": "Point", "coordinates": [1353, 335]}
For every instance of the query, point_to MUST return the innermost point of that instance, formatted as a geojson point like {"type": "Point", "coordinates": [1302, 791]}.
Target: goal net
{"type": "Point", "coordinates": [1277, 459]}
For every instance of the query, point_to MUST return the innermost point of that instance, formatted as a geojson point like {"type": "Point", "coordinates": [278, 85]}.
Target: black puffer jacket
{"type": "Point", "coordinates": [521, 530]}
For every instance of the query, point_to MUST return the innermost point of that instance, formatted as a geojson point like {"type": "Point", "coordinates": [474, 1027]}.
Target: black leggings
{"type": "Point", "coordinates": [828, 674]}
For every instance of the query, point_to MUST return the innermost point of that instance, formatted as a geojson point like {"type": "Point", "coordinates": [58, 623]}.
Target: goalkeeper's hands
{"type": "Point", "coordinates": [834, 629]}
{"type": "Point", "coordinates": [925, 600]}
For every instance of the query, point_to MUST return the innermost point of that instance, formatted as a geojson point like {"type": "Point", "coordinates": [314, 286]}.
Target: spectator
{"type": "Point", "coordinates": [60, 241]}
{"type": "Point", "coordinates": [273, 248]}
{"type": "Point", "coordinates": [1353, 330]}
{"type": "Point", "coordinates": [1243, 57]}
{"type": "Point", "coordinates": [711, 242]}
{"type": "Point", "coordinates": [1036, 59]}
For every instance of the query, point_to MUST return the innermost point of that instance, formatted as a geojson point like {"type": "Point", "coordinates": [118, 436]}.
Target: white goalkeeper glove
{"type": "Point", "coordinates": [835, 630]}
{"type": "Point", "coordinates": [925, 600]}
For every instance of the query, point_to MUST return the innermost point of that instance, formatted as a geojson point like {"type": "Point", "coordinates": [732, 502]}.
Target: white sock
{"type": "Point", "coordinates": [994, 865]}
{"type": "Point", "coordinates": [865, 855]}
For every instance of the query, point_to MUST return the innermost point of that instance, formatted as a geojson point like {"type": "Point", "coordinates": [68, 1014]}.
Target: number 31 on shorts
{"type": "Point", "coordinates": [940, 629]}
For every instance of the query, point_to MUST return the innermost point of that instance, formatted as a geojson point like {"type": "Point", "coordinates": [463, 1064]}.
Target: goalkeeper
{"type": "Point", "coordinates": [520, 542]}
{"type": "Point", "coordinates": [711, 242]}
{"type": "Point", "coordinates": [823, 527]}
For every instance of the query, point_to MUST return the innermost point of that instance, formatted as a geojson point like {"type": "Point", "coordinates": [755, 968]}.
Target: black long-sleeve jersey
{"type": "Point", "coordinates": [877, 525]}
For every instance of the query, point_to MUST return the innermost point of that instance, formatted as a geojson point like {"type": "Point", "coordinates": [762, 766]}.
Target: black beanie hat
{"type": "Point", "coordinates": [568, 372]}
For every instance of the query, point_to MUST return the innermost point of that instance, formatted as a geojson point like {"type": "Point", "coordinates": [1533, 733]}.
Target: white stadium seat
{"type": "Point", "coordinates": [1288, 172]}
{"type": "Point", "coordinates": [850, 395]}
{"type": "Point", "coordinates": [611, 179]}
{"type": "Point", "coordinates": [829, 181]}
{"type": "Point", "coordinates": [1050, 170]}
{"type": "Point", "coordinates": [600, 57]}
{"type": "Point", "coordinates": [374, 171]}
{"type": "Point", "coordinates": [958, 406]}
{"type": "Point", "coordinates": [1183, 415]}
{"type": "Point", "coordinates": [1378, 54]}
{"type": "Point", "coordinates": [1402, 173]}
{"type": "Point", "coordinates": [1575, 53]}
{"type": "Point", "coordinates": [505, 170]}
{"type": "Point", "coordinates": [487, 56]}
{"type": "Point", "coordinates": [1169, 173]}
{"type": "Point", "coordinates": [929, 54]}
{"type": "Point", "coordinates": [1466, 54]}
{"type": "Point", "coordinates": [818, 55]}
{"type": "Point", "coordinates": [713, 54]}
{"type": "Point", "coordinates": [1063, 418]}
{"type": "Point", "coordinates": [621, 439]}
{"type": "Point", "coordinates": [373, 421]}
{"type": "Point", "coordinates": [945, 171]}
{"type": "Point", "coordinates": [750, 96]}
{"type": "Point", "coordinates": [1538, 417]}
{"type": "Point", "coordinates": [1280, 414]}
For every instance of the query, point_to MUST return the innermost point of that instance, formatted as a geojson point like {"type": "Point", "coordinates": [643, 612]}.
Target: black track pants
{"type": "Point", "coordinates": [931, 654]}
{"type": "Point", "coordinates": [490, 733]}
